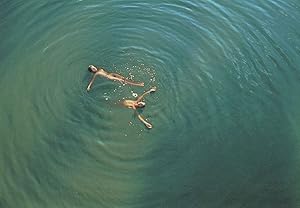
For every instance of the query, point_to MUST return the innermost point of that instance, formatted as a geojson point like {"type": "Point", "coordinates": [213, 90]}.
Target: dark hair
{"type": "Point", "coordinates": [141, 105]}
{"type": "Point", "coordinates": [90, 69]}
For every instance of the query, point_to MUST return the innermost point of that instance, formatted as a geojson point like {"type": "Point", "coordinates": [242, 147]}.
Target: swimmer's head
{"type": "Point", "coordinates": [140, 104]}
{"type": "Point", "coordinates": [92, 69]}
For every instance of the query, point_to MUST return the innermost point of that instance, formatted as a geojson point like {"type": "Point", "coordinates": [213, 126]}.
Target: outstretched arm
{"type": "Point", "coordinates": [117, 77]}
{"type": "Point", "coordinates": [153, 89]}
{"type": "Point", "coordinates": [147, 124]}
{"type": "Point", "coordinates": [91, 82]}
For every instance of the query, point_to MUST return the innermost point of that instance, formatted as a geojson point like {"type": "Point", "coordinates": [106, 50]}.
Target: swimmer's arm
{"type": "Point", "coordinates": [91, 82]}
{"type": "Point", "coordinates": [153, 89]}
{"type": "Point", "coordinates": [147, 124]}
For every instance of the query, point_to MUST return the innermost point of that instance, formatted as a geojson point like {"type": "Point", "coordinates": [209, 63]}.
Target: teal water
{"type": "Point", "coordinates": [225, 116]}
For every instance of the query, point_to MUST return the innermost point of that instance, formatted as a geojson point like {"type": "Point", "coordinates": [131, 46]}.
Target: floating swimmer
{"type": "Point", "coordinates": [138, 103]}
{"type": "Point", "coordinates": [111, 76]}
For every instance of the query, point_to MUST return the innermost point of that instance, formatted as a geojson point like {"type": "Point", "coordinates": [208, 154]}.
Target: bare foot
{"type": "Point", "coordinates": [149, 126]}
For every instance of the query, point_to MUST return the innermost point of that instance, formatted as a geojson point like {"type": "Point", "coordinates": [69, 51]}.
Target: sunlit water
{"type": "Point", "coordinates": [225, 115]}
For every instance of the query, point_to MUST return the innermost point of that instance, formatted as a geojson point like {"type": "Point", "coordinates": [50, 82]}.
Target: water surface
{"type": "Point", "coordinates": [225, 115]}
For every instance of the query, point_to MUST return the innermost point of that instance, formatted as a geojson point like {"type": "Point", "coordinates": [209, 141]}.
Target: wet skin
{"type": "Point", "coordinates": [138, 103]}
{"type": "Point", "coordinates": [111, 76]}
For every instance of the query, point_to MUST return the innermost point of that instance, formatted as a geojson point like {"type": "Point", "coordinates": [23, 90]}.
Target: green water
{"type": "Point", "coordinates": [225, 115]}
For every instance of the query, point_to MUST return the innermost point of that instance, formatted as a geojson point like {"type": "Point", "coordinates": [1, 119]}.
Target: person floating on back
{"type": "Point", "coordinates": [111, 76]}
{"type": "Point", "coordinates": [138, 103]}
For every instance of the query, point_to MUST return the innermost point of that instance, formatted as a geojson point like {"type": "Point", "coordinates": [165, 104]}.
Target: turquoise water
{"type": "Point", "coordinates": [225, 115]}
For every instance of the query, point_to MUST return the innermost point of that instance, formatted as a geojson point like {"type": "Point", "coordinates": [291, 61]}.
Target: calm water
{"type": "Point", "coordinates": [226, 113]}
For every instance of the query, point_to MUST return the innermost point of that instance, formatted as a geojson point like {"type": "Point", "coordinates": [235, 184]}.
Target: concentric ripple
{"type": "Point", "coordinates": [225, 113]}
